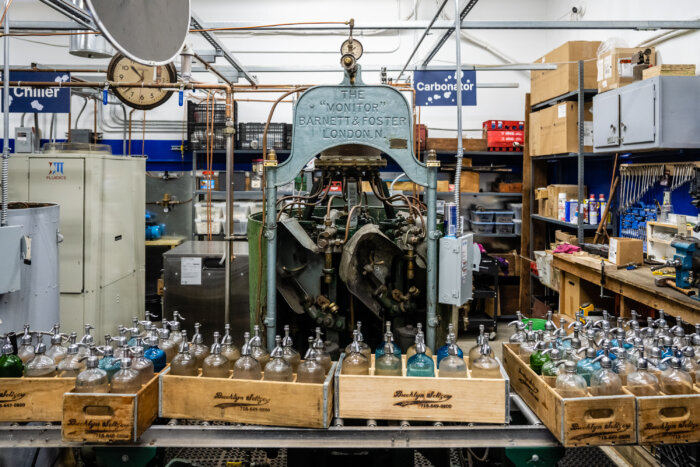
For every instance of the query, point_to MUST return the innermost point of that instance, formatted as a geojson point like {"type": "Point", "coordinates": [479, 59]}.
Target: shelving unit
{"type": "Point", "coordinates": [549, 220]}
{"type": "Point", "coordinates": [537, 177]}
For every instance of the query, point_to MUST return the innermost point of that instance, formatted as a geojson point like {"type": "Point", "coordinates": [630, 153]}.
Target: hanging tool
{"type": "Point", "coordinates": [604, 215]}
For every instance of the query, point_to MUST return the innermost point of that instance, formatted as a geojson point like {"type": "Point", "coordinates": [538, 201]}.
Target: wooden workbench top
{"type": "Point", "coordinates": [166, 240]}
{"type": "Point", "coordinates": [636, 284]}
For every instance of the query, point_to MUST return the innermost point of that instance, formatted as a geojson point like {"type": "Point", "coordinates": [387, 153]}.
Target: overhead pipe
{"type": "Point", "coordinates": [649, 25]}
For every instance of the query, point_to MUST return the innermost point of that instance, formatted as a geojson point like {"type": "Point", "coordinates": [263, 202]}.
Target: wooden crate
{"type": "Point", "coordinates": [244, 401]}
{"type": "Point", "coordinates": [668, 70]}
{"type": "Point", "coordinates": [33, 399]}
{"type": "Point", "coordinates": [468, 400]}
{"type": "Point", "coordinates": [583, 421]}
{"type": "Point", "coordinates": [109, 418]}
{"type": "Point", "coordinates": [450, 144]}
{"type": "Point", "coordinates": [668, 419]}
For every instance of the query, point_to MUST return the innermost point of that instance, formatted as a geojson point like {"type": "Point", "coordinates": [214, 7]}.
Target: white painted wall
{"type": "Point", "coordinates": [381, 48]}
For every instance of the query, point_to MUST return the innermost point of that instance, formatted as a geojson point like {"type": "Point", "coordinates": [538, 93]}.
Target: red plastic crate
{"type": "Point", "coordinates": [504, 138]}
{"type": "Point", "coordinates": [490, 125]}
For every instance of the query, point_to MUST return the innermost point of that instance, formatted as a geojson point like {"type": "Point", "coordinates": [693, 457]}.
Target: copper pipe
{"type": "Point", "coordinates": [347, 223]}
{"type": "Point", "coordinates": [330, 201]}
{"type": "Point", "coordinates": [116, 84]}
{"type": "Point", "coordinates": [59, 70]}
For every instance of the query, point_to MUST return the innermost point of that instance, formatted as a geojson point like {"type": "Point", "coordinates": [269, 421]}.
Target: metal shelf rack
{"type": "Point", "coordinates": [571, 225]}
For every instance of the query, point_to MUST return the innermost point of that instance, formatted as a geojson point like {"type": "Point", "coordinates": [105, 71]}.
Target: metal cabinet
{"type": "Point", "coordinates": [102, 205]}
{"type": "Point", "coordinates": [657, 113]}
{"type": "Point", "coordinates": [606, 120]}
{"type": "Point", "coordinates": [194, 284]}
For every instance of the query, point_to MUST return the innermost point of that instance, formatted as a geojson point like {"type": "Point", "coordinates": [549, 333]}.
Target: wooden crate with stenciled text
{"type": "Point", "coordinates": [467, 400]}
{"type": "Point", "coordinates": [581, 421]}
{"type": "Point", "coordinates": [262, 402]}
{"type": "Point", "coordinates": [33, 399]}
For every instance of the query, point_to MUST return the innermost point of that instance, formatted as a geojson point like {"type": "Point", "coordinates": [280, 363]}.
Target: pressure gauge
{"type": "Point", "coordinates": [351, 47]}
{"type": "Point", "coordinates": [123, 69]}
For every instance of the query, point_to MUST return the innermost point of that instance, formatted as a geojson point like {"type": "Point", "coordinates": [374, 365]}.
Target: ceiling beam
{"type": "Point", "coordinates": [197, 23]}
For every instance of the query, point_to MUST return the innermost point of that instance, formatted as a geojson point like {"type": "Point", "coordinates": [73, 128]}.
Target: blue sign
{"type": "Point", "coordinates": [39, 100]}
{"type": "Point", "coordinates": [437, 87]}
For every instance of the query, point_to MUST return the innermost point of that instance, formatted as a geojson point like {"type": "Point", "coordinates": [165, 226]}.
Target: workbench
{"type": "Point", "coordinates": [166, 241]}
{"type": "Point", "coordinates": [635, 285]}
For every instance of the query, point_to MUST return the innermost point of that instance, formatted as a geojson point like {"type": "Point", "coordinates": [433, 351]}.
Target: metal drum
{"type": "Point", "coordinates": [36, 301]}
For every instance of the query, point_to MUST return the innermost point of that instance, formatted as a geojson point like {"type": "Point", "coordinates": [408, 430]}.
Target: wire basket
{"type": "Point", "coordinates": [197, 116]}
{"type": "Point", "coordinates": [250, 136]}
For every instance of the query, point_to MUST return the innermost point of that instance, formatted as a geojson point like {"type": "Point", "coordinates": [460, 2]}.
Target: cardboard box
{"type": "Point", "coordinates": [469, 182]}
{"type": "Point", "coordinates": [616, 67]}
{"type": "Point", "coordinates": [546, 84]}
{"type": "Point", "coordinates": [553, 197]}
{"type": "Point", "coordinates": [554, 130]}
{"type": "Point", "coordinates": [513, 260]}
{"type": "Point", "coordinates": [565, 237]}
{"type": "Point", "coordinates": [668, 70]}
{"type": "Point", "coordinates": [541, 193]}
{"type": "Point", "coordinates": [624, 251]}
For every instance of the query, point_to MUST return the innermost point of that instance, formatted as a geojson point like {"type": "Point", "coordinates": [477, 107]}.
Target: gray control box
{"type": "Point", "coordinates": [455, 273]}
{"type": "Point", "coordinates": [24, 139]}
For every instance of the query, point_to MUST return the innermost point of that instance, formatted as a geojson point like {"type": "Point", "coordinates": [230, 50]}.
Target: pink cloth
{"type": "Point", "coordinates": [481, 248]}
{"type": "Point", "coordinates": [567, 248]}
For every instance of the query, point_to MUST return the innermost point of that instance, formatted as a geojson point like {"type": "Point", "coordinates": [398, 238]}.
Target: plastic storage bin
{"type": "Point", "coordinates": [482, 227]}
{"type": "Point", "coordinates": [503, 227]}
{"type": "Point", "coordinates": [503, 216]}
{"type": "Point", "coordinates": [517, 209]}
{"type": "Point", "coordinates": [481, 216]}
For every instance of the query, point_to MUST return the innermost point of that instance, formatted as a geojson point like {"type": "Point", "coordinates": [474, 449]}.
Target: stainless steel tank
{"type": "Point", "coordinates": [37, 300]}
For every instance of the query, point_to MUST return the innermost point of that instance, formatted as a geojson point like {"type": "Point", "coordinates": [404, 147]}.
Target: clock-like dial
{"type": "Point", "coordinates": [352, 47]}
{"type": "Point", "coordinates": [123, 69]}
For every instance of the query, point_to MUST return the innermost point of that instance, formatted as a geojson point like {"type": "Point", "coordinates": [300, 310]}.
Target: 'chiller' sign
{"type": "Point", "coordinates": [39, 100]}
{"type": "Point", "coordinates": [437, 87]}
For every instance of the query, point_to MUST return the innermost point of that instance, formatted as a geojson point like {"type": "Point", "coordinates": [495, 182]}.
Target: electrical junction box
{"type": "Point", "coordinates": [24, 139]}
{"type": "Point", "coordinates": [456, 267]}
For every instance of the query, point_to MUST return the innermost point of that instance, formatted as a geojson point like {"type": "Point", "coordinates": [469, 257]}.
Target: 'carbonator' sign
{"type": "Point", "coordinates": [39, 100]}
{"type": "Point", "coordinates": [438, 87]}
